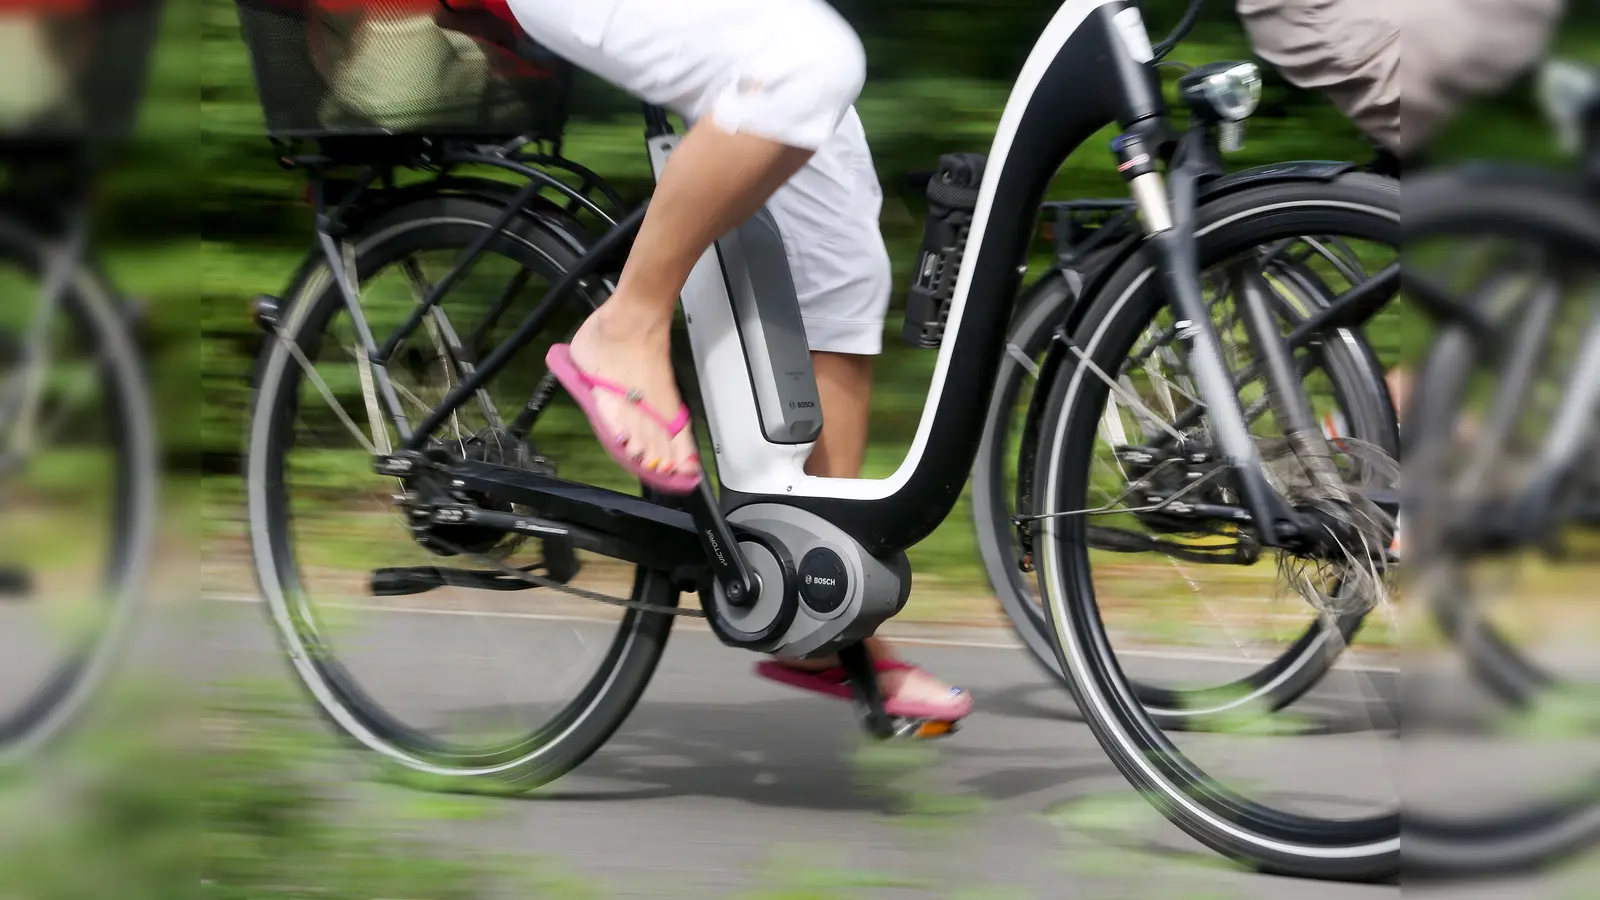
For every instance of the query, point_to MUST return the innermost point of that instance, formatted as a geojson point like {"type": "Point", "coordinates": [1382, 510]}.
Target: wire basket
{"type": "Point", "coordinates": [74, 71]}
{"type": "Point", "coordinates": [345, 68]}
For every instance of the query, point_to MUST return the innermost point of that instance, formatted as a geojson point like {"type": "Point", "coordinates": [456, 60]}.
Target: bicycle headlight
{"type": "Point", "coordinates": [1223, 92]}
{"type": "Point", "coordinates": [1570, 95]}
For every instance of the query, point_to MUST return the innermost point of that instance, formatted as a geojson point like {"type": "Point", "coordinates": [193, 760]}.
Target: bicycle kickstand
{"type": "Point", "coordinates": [869, 702]}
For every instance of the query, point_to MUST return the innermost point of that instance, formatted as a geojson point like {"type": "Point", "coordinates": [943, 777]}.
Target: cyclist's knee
{"type": "Point", "coordinates": [838, 69]}
{"type": "Point", "coordinates": [800, 89]}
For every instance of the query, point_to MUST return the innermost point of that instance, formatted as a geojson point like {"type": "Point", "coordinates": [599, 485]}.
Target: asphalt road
{"type": "Point", "coordinates": [720, 783]}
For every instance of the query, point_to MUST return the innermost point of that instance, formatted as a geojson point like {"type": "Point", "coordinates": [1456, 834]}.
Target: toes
{"type": "Point", "coordinates": [687, 466]}
{"type": "Point", "coordinates": [640, 439]}
{"type": "Point", "coordinates": [685, 453]}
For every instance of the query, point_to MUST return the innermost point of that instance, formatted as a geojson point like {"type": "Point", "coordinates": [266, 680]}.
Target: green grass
{"type": "Point", "coordinates": [142, 806]}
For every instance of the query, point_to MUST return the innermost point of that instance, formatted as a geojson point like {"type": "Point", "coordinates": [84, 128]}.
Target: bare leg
{"type": "Point", "coordinates": [714, 181]}
{"type": "Point", "coordinates": [844, 385]}
{"type": "Point", "coordinates": [1399, 381]}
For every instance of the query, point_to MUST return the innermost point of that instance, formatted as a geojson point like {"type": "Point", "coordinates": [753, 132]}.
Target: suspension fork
{"type": "Point", "coordinates": [1288, 401]}
{"type": "Point", "coordinates": [1168, 219]}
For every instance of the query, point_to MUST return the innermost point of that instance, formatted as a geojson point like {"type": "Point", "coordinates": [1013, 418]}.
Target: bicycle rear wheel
{"type": "Point", "coordinates": [322, 549]}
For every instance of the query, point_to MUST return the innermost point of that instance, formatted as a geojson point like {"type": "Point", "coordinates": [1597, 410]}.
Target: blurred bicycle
{"type": "Point", "coordinates": [77, 446]}
{"type": "Point", "coordinates": [1503, 494]}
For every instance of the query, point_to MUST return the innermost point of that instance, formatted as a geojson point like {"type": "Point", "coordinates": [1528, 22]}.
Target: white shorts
{"type": "Point", "coordinates": [786, 70]}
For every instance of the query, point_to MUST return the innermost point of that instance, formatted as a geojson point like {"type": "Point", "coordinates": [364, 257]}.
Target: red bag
{"type": "Point", "coordinates": [500, 9]}
{"type": "Point", "coordinates": [388, 7]}
{"type": "Point", "coordinates": [66, 9]}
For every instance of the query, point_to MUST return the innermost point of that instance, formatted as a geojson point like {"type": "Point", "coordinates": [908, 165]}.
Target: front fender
{"type": "Point", "coordinates": [1216, 188]}
{"type": "Point", "coordinates": [1300, 170]}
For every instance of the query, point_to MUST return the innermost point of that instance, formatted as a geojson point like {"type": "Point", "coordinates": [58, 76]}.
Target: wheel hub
{"type": "Point", "coordinates": [1345, 569]}
{"type": "Point", "coordinates": [491, 445]}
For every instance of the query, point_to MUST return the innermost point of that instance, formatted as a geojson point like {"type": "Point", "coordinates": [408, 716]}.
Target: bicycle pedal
{"type": "Point", "coordinates": [404, 581]}
{"type": "Point", "coordinates": [925, 729]}
{"type": "Point", "coordinates": [15, 584]}
{"type": "Point", "coordinates": [266, 310]}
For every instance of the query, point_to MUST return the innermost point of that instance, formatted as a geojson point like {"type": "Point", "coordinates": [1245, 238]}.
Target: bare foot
{"type": "Point", "coordinates": [634, 351]}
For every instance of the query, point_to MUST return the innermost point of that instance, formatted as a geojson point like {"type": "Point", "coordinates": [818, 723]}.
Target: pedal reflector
{"type": "Point", "coordinates": [934, 729]}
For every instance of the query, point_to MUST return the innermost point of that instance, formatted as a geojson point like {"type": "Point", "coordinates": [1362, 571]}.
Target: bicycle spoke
{"type": "Point", "coordinates": [453, 355]}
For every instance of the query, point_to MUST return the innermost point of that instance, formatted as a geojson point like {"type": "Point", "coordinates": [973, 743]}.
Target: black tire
{"type": "Point", "coordinates": [101, 326]}
{"type": "Point", "coordinates": [1358, 382]}
{"type": "Point", "coordinates": [1240, 828]}
{"type": "Point", "coordinates": [603, 702]}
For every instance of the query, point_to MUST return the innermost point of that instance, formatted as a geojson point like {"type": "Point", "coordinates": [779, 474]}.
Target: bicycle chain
{"type": "Point", "coordinates": [573, 590]}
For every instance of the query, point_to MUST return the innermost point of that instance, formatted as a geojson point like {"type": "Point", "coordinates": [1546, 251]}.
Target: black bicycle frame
{"type": "Point", "coordinates": [1093, 81]}
{"type": "Point", "coordinates": [332, 213]}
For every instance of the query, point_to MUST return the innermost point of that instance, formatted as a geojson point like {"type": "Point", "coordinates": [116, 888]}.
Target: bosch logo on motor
{"type": "Point", "coordinates": [824, 582]}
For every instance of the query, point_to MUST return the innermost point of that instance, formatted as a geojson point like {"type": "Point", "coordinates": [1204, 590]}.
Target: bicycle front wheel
{"type": "Point", "coordinates": [1297, 661]}
{"type": "Point", "coordinates": [1224, 787]}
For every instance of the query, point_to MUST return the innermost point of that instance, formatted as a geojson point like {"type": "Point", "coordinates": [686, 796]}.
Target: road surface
{"type": "Point", "coordinates": [721, 783]}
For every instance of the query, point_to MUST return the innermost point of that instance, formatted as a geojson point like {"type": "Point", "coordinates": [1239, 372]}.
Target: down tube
{"type": "Point", "coordinates": [1068, 90]}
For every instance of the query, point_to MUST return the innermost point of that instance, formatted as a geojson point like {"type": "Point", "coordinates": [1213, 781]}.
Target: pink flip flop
{"type": "Point", "coordinates": [582, 386]}
{"type": "Point", "coordinates": [833, 683]}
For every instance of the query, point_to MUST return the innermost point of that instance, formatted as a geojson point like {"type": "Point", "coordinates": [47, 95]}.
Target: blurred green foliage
{"type": "Point", "coordinates": [142, 805]}
{"type": "Point", "coordinates": [940, 71]}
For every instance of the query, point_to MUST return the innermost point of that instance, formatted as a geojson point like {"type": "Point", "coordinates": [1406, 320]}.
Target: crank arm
{"type": "Point", "coordinates": [864, 689]}
{"type": "Point", "coordinates": [869, 702]}
{"type": "Point", "coordinates": [740, 585]}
